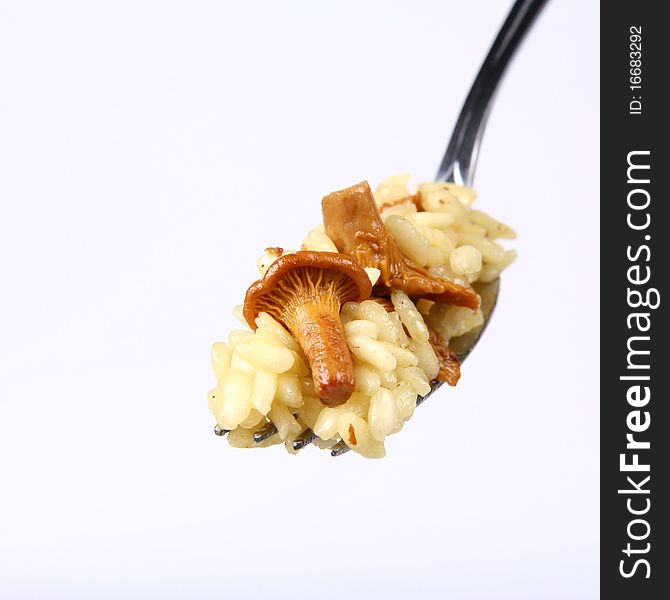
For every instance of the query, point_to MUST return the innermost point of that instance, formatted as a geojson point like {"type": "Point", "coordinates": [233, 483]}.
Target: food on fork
{"type": "Point", "coordinates": [352, 221]}
{"type": "Point", "coordinates": [305, 291]}
{"type": "Point", "coordinates": [343, 336]}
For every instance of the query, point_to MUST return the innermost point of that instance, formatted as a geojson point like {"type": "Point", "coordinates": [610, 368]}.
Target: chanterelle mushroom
{"type": "Point", "coordinates": [353, 222]}
{"type": "Point", "coordinates": [304, 291]}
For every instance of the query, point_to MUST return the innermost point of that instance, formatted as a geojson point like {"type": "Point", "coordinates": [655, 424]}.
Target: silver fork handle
{"type": "Point", "coordinates": [460, 159]}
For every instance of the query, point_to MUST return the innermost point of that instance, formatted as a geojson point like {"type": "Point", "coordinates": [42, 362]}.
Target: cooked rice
{"type": "Point", "coordinates": [263, 375]}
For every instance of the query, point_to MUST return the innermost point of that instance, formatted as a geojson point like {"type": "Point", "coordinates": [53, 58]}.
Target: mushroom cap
{"type": "Point", "coordinates": [346, 275]}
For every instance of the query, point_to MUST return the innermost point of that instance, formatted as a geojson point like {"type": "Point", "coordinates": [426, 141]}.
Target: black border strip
{"type": "Point", "coordinates": [634, 491]}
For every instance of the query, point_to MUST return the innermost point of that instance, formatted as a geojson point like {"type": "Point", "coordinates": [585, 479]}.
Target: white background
{"type": "Point", "coordinates": [148, 152]}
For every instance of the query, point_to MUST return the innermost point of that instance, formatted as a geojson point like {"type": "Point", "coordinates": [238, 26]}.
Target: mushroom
{"type": "Point", "coordinates": [304, 291]}
{"type": "Point", "coordinates": [450, 365]}
{"type": "Point", "coordinates": [353, 222]}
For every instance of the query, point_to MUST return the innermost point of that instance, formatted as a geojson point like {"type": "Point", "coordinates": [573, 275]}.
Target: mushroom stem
{"type": "Point", "coordinates": [317, 327]}
{"type": "Point", "coordinates": [304, 292]}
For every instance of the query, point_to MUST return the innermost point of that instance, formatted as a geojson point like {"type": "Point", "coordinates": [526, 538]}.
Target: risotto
{"type": "Point", "coordinates": [342, 337]}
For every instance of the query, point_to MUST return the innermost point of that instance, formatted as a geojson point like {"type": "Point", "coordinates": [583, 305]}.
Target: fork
{"type": "Point", "coordinates": [458, 166]}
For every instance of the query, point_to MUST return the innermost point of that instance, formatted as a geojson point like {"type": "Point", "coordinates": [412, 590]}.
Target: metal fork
{"type": "Point", "coordinates": [458, 166]}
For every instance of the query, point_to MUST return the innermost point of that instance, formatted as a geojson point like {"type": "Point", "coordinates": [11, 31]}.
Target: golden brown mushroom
{"type": "Point", "coordinates": [352, 221]}
{"type": "Point", "coordinates": [304, 291]}
{"type": "Point", "coordinates": [450, 366]}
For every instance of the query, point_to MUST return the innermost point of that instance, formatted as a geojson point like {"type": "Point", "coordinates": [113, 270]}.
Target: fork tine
{"type": "Point", "coordinates": [265, 432]}
{"type": "Point", "coordinates": [339, 449]}
{"type": "Point", "coordinates": [434, 386]}
{"type": "Point", "coordinates": [304, 439]}
{"type": "Point", "coordinates": [220, 431]}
